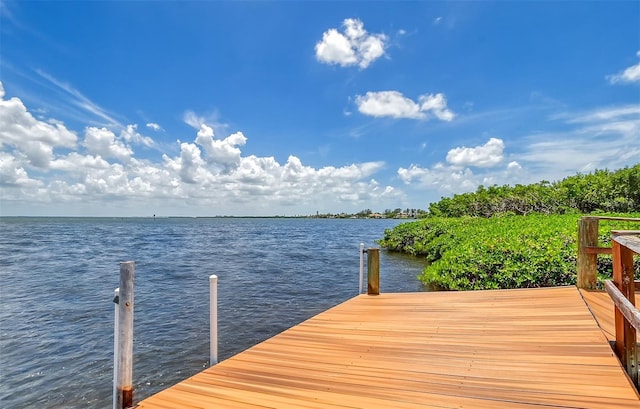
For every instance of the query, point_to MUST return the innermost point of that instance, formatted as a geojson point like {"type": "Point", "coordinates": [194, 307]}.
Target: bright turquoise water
{"type": "Point", "coordinates": [57, 277]}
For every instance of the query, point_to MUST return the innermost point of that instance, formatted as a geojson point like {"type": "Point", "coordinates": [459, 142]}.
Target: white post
{"type": "Point", "coordinates": [124, 392]}
{"type": "Point", "coordinates": [361, 267]}
{"type": "Point", "coordinates": [116, 329]}
{"type": "Point", "coordinates": [213, 320]}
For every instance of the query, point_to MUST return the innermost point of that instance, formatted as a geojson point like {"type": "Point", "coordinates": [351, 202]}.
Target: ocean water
{"type": "Point", "coordinates": [57, 277]}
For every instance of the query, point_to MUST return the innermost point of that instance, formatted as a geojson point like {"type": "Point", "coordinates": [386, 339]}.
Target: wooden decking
{"type": "Point", "coordinates": [601, 306]}
{"type": "Point", "coordinates": [533, 348]}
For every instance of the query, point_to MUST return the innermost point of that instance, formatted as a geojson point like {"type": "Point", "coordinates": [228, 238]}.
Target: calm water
{"type": "Point", "coordinates": [57, 278]}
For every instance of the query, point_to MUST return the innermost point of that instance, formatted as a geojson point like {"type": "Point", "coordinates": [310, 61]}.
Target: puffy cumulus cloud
{"type": "Point", "coordinates": [388, 103]}
{"type": "Point", "coordinates": [436, 105]}
{"type": "Point", "coordinates": [457, 176]}
{"type": "Point", "coordinates": [451, 179]}
{"type": "Point", "coordinates": [130, 134]}
{"type": "Point", "coordinates": [192, 166]}
{"type": "Point", "coordinates": [207, 176]}
{"type": "Point", "coordinates": [394, 104]}
{"type": "Point", "coordinates": [630, 74]}
{"type": "Point", "coordinates": [76, 162]}
{"type": "Point", "coordinates": [32, 139]}
{"type": "Point", "coordinates": [103, 142]}
{"type": "Point", "coordinates": [514, 167]}
{"type": "Point", "coordinates": [484, 156]}
{"type": "Point", "coordinates": [446, 179]}
{"type": "Point", "coordinates": [224, 152]}
{"type": "Point", "coordinates": [13, 174]}
{"type": "Point", "coordinates": [354, 46]}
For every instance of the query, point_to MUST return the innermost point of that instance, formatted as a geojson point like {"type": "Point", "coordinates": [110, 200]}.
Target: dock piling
{"type": "Point", "coordinates": [373, 271]}
{"type": "Point", "coordinates": [124, 384]}
{"type": "Point", "coordinates": [213, 320]}
{"type": "Point", "coordinates": [116, 330]}
{"type": "Point", "coordinates": [361, 267]}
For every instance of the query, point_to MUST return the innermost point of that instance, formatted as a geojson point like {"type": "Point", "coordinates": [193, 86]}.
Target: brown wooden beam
{"type": "Point", "coordinates": [628, 310]}
{"type": "Point", "coordinates": [628, 219]}
{"type": "Point", "coordinates": [597, 250]}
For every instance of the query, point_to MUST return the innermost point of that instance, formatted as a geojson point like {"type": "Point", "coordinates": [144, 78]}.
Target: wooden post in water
{"type": "Point", "coordinates": [373, 271]}
{"type": "Point", "coordinates": [623, 278]}
{"type": "Point", "coordinates": [213, 320]}
{"type": "Point", "coordinates": [587, 262]}
{"type": "Point", "coordinates": [361, 267]}
{"type": "Point", "coordinates": [116, 330]}
{"type": "Point", "coordinates": [124, 392]}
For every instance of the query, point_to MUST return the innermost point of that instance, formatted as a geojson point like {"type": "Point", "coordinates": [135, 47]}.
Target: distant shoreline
{"type": "Point", "coordinates": [204, 217]}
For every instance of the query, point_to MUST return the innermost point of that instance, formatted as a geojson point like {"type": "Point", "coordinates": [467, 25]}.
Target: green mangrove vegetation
{"type": "Point", "coordinates": [600, 191]}
{"type": "Point", "coordinates": [517, 237]}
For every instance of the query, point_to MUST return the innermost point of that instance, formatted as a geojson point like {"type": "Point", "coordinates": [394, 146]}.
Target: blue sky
{"type": "Point", "coordinates": [288, 108]}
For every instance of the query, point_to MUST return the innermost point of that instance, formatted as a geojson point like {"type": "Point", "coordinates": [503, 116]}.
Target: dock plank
{"type": "Point", "coordinates": [528, 348]}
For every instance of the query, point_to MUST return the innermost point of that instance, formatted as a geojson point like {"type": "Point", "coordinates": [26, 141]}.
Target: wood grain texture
{"type": "Point", "coordinates": [529, 348]}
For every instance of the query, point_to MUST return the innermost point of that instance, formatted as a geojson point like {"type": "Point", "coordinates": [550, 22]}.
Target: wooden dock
{"type": "Point", "coordinates": [527, 348]}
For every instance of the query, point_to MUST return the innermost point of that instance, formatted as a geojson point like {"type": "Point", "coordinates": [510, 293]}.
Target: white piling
{"type": "Point", "coordinates": [124, 388]}
{"type": "Point", "coordinates": [116, 329]}
{"type": "Point", "coordinates": [361, 267]}
{"type": "Point", "coordinates": [213, 320]}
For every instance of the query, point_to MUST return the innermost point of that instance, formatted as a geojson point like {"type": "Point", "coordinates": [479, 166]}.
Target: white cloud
{"type": "Point", "coordinates": [193, 120]}
{"type": "Point", "coordinates": [352, 47]}
{"type": "Point", "coordinates": [388, 103]}
{"type": "Point", "coordinates": [225, 152]}
{"type": "Point", "coordinates": [77, 99]}
{"type": "Point", "coordinates": [394, 104]}
{"type": "Point", "coordinates": [487, 155]}
{"type": "Point", "coordinates": [514, 167]}
{"type": "Point", "coordinates": [443, 178]}
{"type": "Point", "coordinates": [605, 138]}
{"type": "Point", "coordinates": [154, 126]}
{"type": "Point", "coordinates": [630, 74]}
{"type": "Point", "coordinates": [211, 120]}
{"type": "Point", "coordinates": [208, 176]}
{"type": "Point", "coordinates": [13, 174]}
{"type": "Point", "coordinates": [103, 142]}
{"type": "Point", "coordinates": [437, 105]}
{"type": "Point", "coordinates": [28, 137]}
{"type": "Point", "coordinates": [131, 135]}
{"type": "Point", "coordinates": [602, 114]}
{"type": "Point", "coordinates": [192, 166]}
{"type": "Point", "coordinates": [452, 179]}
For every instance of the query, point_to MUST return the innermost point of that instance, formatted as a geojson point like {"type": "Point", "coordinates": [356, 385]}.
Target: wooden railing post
{"type": "Point", "coordinates": [373, 271]}
{"type": "Point", "coordinates": [587, 262]}
{"type": "Point", "coordinates": [124, 392]}
{"type": "Point", "coordinates": [623, 278]}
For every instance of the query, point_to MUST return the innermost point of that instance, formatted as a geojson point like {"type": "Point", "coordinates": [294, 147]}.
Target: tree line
{"type": "Point", "coordinates": [600, 191]}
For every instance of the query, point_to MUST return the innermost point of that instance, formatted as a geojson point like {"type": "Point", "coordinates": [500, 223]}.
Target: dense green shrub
{"type": "Point", "coordinates": [602, 190]}
{"type": "Point", "coordinates": [500, 252]}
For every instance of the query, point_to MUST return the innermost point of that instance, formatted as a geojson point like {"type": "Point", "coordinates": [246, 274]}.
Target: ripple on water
{"type": "Point", "coordinates": [58, 276]}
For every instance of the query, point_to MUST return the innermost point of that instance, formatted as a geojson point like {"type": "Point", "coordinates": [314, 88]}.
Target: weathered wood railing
{"type": "Point", "coordinates": [588, 249]}
{"type": "Point", "coordinates": [622, 292]}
